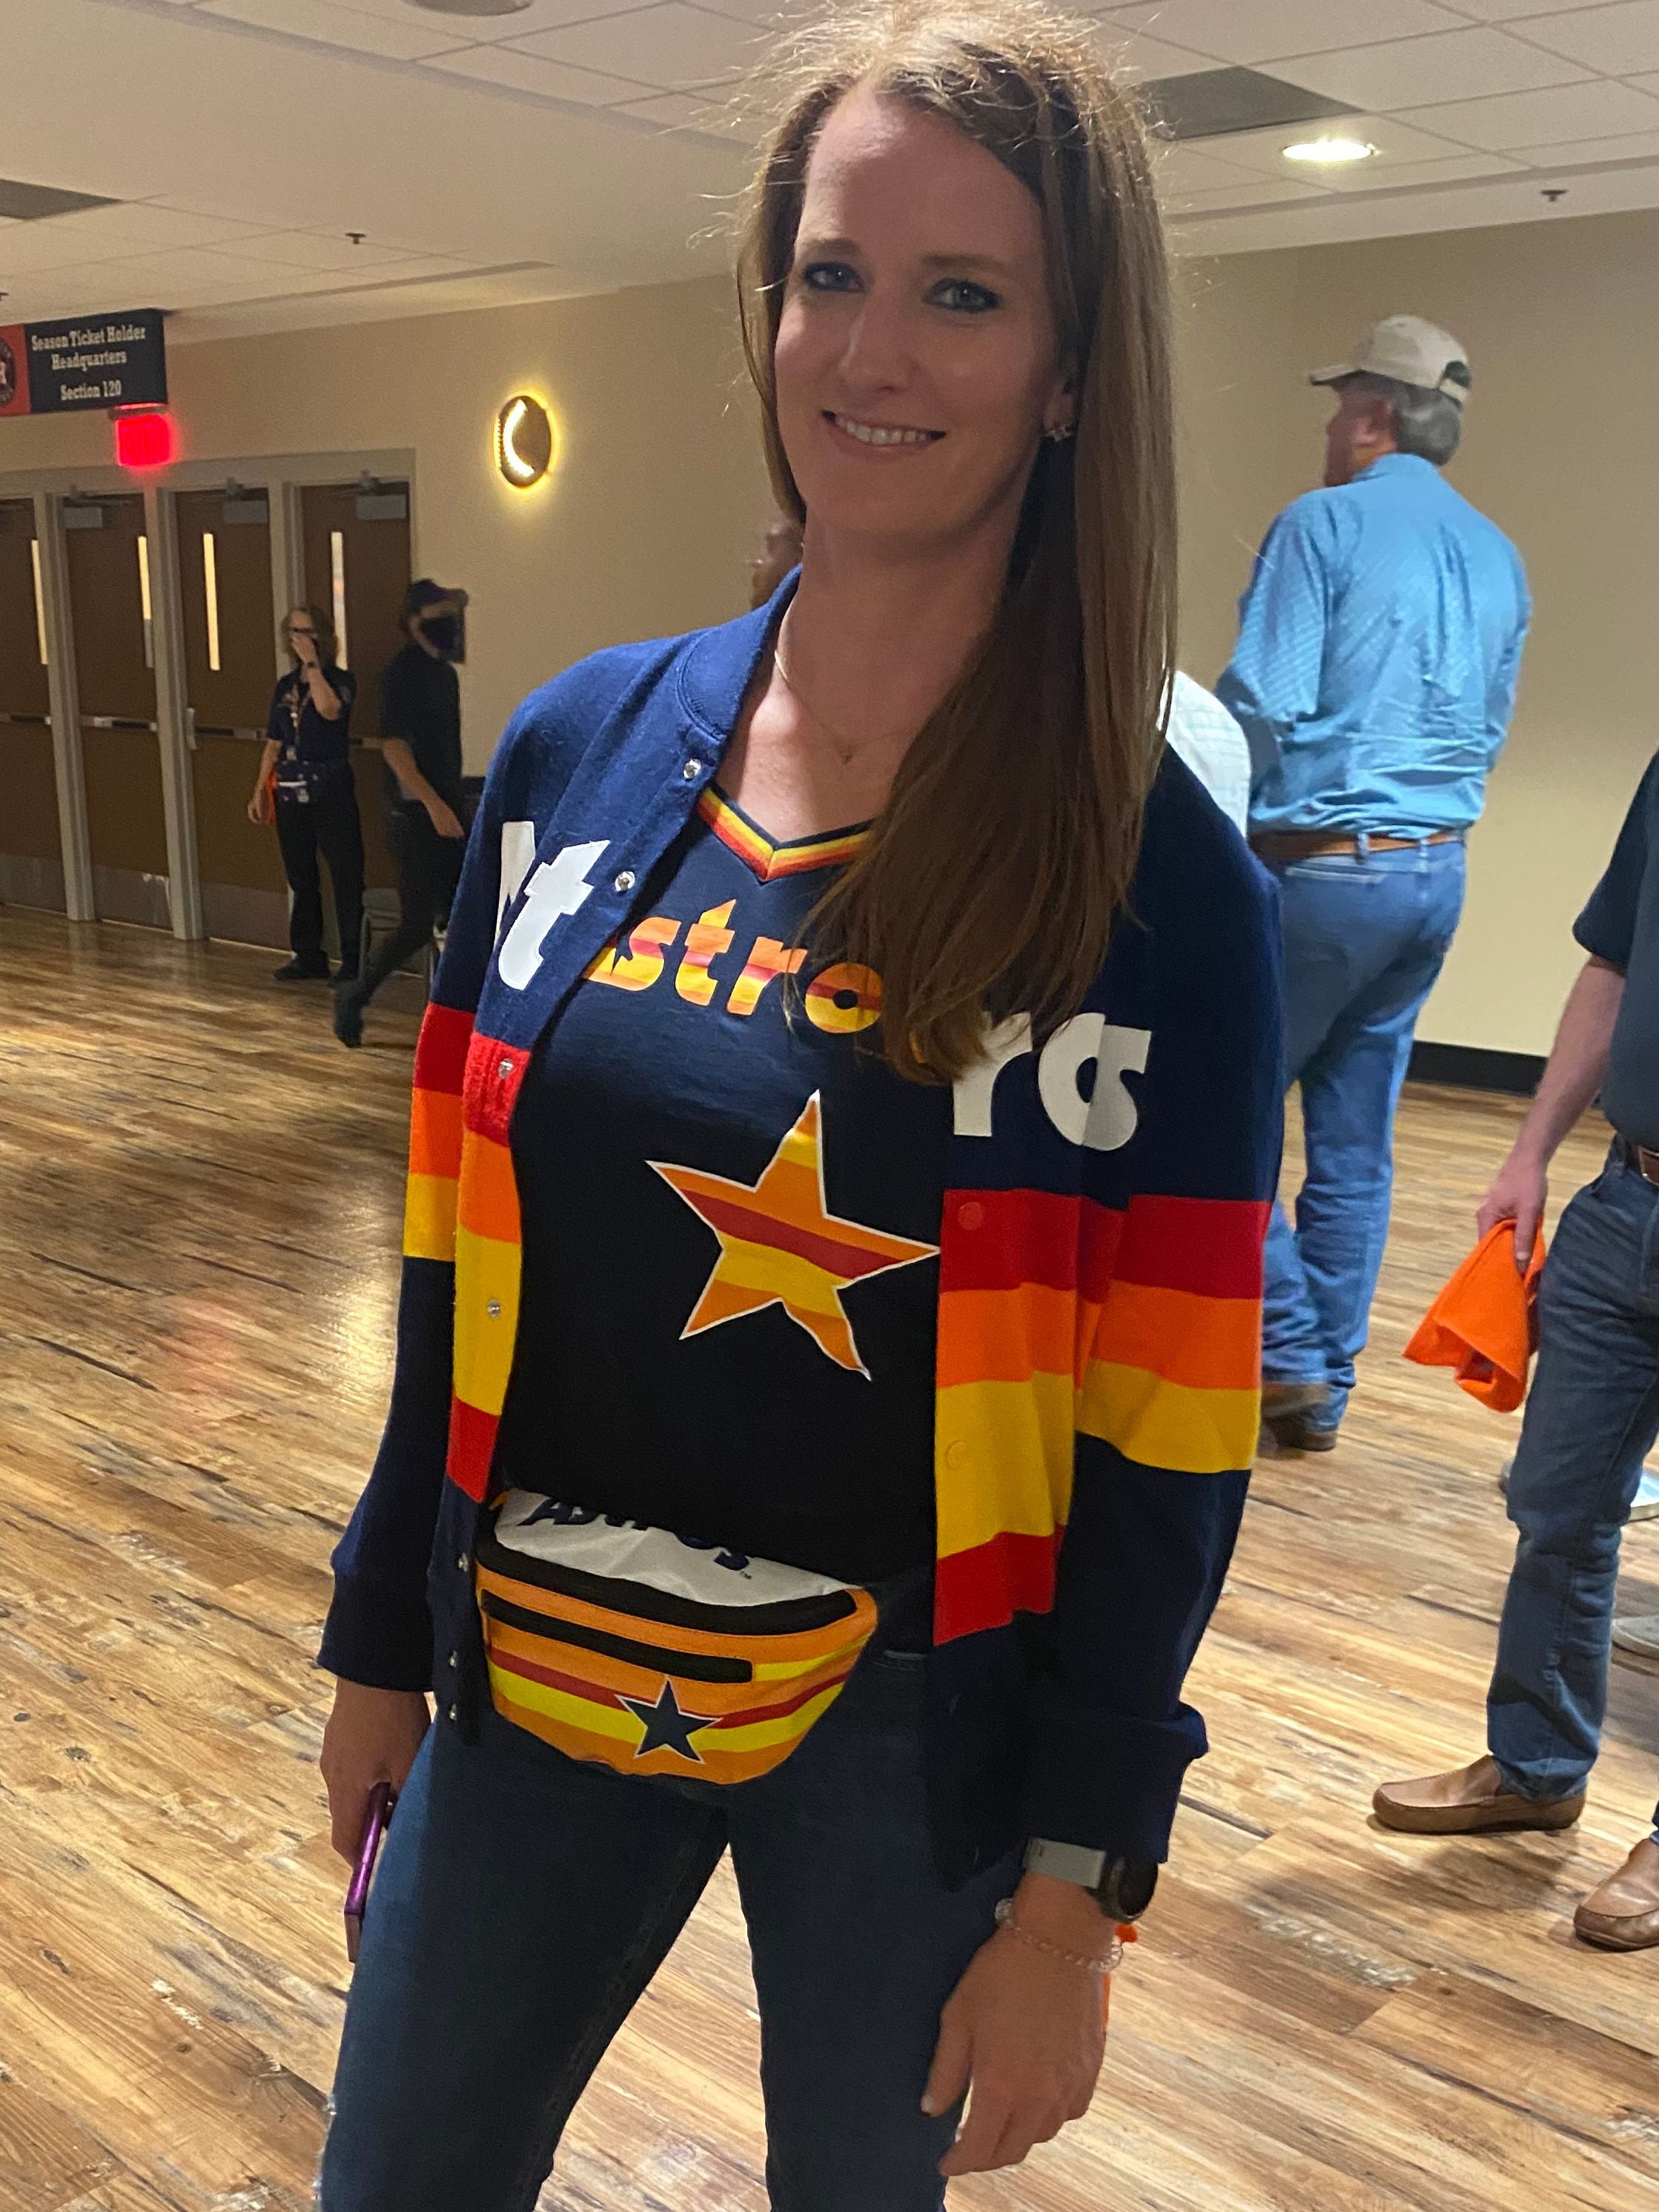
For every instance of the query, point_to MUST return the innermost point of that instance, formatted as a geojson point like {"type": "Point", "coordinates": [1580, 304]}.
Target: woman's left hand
{"type": "Point", "coordinates": [1027, 2031]}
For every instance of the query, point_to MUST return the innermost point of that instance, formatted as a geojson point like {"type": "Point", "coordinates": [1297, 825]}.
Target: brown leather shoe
{"type": "Point", "coordinates": [1287, 1416]}
{"type": "Point", "coordinates": [1623, 1914]}
{"type": "Point", "coordinates": [1468, 1802]}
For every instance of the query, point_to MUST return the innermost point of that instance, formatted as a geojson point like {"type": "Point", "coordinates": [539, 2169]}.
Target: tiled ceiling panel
{"type": "Point", "coordinates": [1619, 41]}
{"type": "Point", "coordinates": [1597, 109]}
{"type": "Point", "coordinates": [670, 45]}
{"type": "Point", "coordinates": [1265, 30]}
{"type": "Point", "coordinates": [1449, 65]}
{"type": "Point", "coordinates": [406, 37]}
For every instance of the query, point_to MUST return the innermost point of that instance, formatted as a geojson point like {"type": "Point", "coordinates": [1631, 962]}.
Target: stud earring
{"type": "Point", "coordinates": [1060, 433]}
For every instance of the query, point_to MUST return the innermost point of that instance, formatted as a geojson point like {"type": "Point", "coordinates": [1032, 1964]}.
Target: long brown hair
{"type": "Point", "coordinates": [992, 879]}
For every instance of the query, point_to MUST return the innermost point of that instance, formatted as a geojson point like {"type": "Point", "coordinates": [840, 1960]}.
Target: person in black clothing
{"type": "Point", "coordinates": [305, 782]}
{"type": "Point", "coordinates": [421, 733]}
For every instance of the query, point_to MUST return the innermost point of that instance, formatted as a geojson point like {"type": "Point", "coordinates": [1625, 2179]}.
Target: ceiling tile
{"type": "Point", "coordinates": [1181, 169]}
{"type": "Point", "coordinates": [533, 73]}
{"type": "Point", "coordinates": [1619, 41]}
{"type": "Point", "coordinates": [1508, 11]}
{"type": "Point", "coordinates": [1264, 30]}
{"type": "Point", "coordinates": [141, 222]}
{"type": "Point", "coordinates": [1218, 198]}
{"type": "Point", "coordinates": [1380, 176]}
{"type": "Point", "coordinates": [28, 245]}
{"type": "Point", "coordinates": [1637, 146]}
{"type": "Point", "coordinates": [1396, 142]}
{"type": "Point", "coordinates": [689, 111]}
{"type": "Point", "coordinates": [540, 15]}
{"type": "Point", "coordinates": [306, 249]}
{"type": "Point", "coordinates": [670, 46]}
{"type": "Point", "coordinates": [402, 38]}
{"type": "Point", "coordinates": [1451, 65]}
{"type": "Point", "coordinates": [1600, 109]}
{"type": "Point", "coordinates": [1132, 54]}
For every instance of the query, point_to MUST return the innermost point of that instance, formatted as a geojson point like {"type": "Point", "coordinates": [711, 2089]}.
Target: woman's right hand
{"type": "Point", "coordinates": [259, 807]}
{"type": "Point", "coordinates": [372, 1736]}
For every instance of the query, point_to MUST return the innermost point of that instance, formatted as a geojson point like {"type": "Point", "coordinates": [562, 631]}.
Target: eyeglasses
{"type": "Point", "coordinates": [294, 630]}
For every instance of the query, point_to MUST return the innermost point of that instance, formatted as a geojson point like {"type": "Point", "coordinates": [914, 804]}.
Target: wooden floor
{"type": "Point", "coordinates": [199, 1194]}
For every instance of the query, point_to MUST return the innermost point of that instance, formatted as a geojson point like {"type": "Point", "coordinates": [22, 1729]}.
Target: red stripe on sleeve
{"type": "Point", "coordinates": [986, 1586]}
{"type": "Point", "coordinates": [995, 1240]}
{"type": "Point", "coordinates": [1209, 1245]}
{"type": "Point", "coordinates": [471, 1447]}
{"type": "Point", "coordinates": [440, 1054]}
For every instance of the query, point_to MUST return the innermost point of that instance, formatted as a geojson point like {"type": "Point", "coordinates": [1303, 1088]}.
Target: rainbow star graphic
{"type": "Point", "coordinates": [780, 1245]}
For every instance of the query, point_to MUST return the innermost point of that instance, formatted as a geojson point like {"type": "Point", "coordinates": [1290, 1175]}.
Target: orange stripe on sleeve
{"type": "Point", "coordinates": [1182, 1336]}
{"type": "Point", "coordinates": [435, 1134]}
{"type": "Point", "coordinates": [488, 1193]}
{"type": "Point", "coordinates": [1004, 1336]}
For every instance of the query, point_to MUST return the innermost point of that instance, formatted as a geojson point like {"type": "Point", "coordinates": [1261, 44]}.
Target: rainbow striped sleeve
{"type": "Point", "coordinates": [488, 1259]}
{"type": "Point", "coordinates": [434, 1134]}
{"type": "Point", "coordinates": [1172, 1373]}
{"type": "Point", "coordinates": [1004, 1420]}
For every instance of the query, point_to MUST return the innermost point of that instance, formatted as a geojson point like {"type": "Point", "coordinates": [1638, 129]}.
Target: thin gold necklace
{"type": "Point", "coordinates": [847, 749]}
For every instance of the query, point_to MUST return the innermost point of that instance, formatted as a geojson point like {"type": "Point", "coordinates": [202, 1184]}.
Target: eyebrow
{"type": "Point", "coordinates": [967, 258]}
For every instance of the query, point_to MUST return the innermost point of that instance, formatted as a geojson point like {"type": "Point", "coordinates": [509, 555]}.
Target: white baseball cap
{"type": "Point", "coordinates": [1411, 351]}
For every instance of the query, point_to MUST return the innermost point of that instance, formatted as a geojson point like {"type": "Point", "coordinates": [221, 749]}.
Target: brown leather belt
{"type": "Point", "coordinates": [1646, 1163]}
{"type": "Point", "coordinates": [1278, 846]}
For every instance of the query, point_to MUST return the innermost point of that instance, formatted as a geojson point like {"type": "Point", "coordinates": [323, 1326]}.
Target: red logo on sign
{"type": "Point", "coordinates": [14, 371]}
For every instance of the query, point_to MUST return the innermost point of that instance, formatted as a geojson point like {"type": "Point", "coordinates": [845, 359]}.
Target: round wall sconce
{"type": "Point", "coordinates": [524, 441]}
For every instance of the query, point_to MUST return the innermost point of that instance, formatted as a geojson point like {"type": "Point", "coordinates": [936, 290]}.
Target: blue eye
{"type": "Point", "coordinates": [828, 277]}
{"type": "Point", "coordinates": [963, 297]}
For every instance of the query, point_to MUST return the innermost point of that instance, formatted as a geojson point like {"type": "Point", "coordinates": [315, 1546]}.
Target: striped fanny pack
{"type": "Point", "coordinates": [625, 1644]}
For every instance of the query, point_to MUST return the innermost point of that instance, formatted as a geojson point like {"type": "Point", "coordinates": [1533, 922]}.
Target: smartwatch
{"type": "Point", "coordinates": [1122, 1888]}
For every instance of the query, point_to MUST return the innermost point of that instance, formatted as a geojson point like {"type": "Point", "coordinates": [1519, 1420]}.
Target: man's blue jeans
{"type": "Point", "coordinates": [1365, 935]}
{"type": "Point", "coordinates": [1592, 1417]}
{"type": "Point", "coordinates": [525, 1901]}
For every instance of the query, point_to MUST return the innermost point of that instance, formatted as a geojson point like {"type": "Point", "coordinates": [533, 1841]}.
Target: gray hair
{"type": "Point", "coordinates": [1427, 424]}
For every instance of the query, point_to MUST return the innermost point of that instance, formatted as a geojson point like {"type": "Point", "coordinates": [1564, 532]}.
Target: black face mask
{"type": "Point", "coordinates": [444, 631]}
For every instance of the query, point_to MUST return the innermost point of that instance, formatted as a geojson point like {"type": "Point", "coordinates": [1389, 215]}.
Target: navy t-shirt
{"type": "Point", "coordinates": [312, 750]}
{"type": "Point", "coordinates": [1621, 925]}
{"type": "Point", "coordinates": [730, 1216]}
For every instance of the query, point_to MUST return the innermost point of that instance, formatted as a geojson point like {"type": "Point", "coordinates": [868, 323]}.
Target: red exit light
{"type": "Point", "coordinates": [144, 441]}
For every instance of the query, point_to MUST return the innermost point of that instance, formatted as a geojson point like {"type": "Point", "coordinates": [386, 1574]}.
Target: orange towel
{"type": "Point", "coordinates": [1485, 1322]}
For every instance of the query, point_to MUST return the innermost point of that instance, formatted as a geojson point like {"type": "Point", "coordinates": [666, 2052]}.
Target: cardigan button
{"type": "Point", "coordinates": [970, 1214]}
{"type": "Point", "coordinates": [504, 1070]}
{"type": "Point", "coordinates": [626, 880]}
{"type": "Point", "coordinates": [493, 1308]}
{"type": "Point", "coordinates": [956, 1453]}
{"type": "Point", "coordinates": [454, 1658]}
{"type": "Point", "coordinates": [453, 1712]}
{"type": "Point", "coordinates": [463, 1563]}
{"type": "Point", "coordinates": [691, 771]}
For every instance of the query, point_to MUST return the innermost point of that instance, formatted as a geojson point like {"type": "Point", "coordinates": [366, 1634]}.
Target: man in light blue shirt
{"type": "Point", "coordinates": [1379, 644]}
{"type": "Point", "coordinates": [1210, 741]}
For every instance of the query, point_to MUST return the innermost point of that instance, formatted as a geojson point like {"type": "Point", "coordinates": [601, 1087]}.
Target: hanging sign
{"type": "Point", "coordinates": [83, 361]}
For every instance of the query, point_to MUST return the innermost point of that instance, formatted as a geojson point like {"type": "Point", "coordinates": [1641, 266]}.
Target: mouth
{"type": "Point", "coordinates": [884, 435]}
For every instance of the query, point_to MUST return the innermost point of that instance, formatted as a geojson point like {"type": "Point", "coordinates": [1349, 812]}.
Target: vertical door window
{"type": "Point", "coordinates": [39, 603]}
{"type": "Point", "coordinates": [143, 600]}
{"type": "Point", "coordinates": [211, 593]}
{"type": "Point", "coordinates": [337, 584]}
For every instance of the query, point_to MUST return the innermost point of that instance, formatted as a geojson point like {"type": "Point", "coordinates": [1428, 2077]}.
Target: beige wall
{"type": "Point", "coordinates": [1562, 323]}
{"type": "Point", "coordinates": [660, 494]}
{"type": "Point", "coordinates": [657, 502]}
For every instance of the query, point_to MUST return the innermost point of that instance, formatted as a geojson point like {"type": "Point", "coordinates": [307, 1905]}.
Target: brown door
{"type": "Point", "coordinates": [224, 577]}
{"type": "Point", "coordinates": [31, 855]}
{"type": "Point", "coordinates": [108, 557]}
{"type": "Point", "coordinates": [357, 570]}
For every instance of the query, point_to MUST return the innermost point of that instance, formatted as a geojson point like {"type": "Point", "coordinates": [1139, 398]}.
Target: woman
{"type": "Point", "coordinates": [305, 780]}
{"type": "Point", "coordinates": [808, 1225]}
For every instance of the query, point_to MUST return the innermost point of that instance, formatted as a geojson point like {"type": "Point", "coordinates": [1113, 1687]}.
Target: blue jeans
{"type": "Point", "coordinates": [524, 1901]}
{"type": "Point", "coordinates": [1591, 1419]}
{"type": "Point", "coordinates": [1365, 935]}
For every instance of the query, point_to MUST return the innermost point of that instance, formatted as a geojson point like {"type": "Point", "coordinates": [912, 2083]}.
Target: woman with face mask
{"type": "Point", "coordinates": [304, 784]}
{"type": "Point", "coordinates": [420, 738]}
{"type": "Point", "coordinates": [843, 1135]}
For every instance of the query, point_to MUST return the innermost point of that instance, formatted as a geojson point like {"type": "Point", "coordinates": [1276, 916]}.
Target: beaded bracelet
{"type": "Point", "coordinates": [1108, 1965]}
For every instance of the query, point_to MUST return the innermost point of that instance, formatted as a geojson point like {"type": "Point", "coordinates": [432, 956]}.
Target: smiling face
{"type": "Point", "coordinates": [916, 364]}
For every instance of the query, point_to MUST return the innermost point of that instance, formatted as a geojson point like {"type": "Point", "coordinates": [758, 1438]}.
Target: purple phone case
{"type": "Point", "coordinates": [381, 1802]}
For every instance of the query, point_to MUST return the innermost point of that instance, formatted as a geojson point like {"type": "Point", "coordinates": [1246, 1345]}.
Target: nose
{"type": "Point", "coordinates": [877, 357]}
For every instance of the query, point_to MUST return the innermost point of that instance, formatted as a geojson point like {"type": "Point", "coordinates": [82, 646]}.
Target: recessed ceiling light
{"type": "Point", "coordinates": [1330, 153]}
{"type": "Point", "coordinates": [472, 7]}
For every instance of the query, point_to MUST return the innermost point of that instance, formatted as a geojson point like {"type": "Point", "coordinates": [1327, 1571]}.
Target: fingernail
{"type": "Point", "coordinates": [930, 2108]}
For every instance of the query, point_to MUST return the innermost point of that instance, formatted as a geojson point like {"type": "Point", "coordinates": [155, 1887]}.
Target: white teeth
{"type": "Point", "coordinates": [878, 434]}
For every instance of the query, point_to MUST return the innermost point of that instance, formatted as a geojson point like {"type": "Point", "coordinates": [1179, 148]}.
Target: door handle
{"type": "Point", "coordinates": [190, 727]}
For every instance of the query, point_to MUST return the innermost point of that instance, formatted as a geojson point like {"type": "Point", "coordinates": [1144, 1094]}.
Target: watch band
{"type": "Point", "coordinates": [1066, 1863]}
